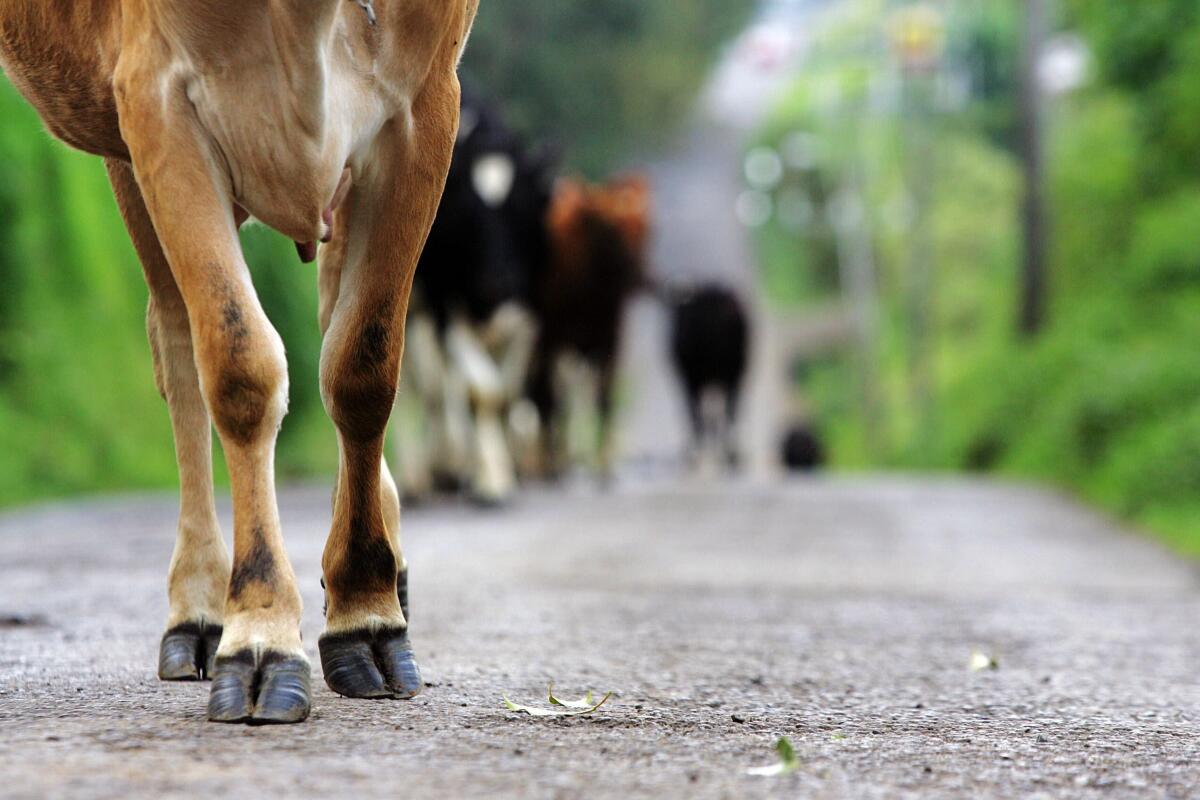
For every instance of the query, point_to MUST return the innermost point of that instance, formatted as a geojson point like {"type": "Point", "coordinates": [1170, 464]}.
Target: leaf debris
{"type": "Point", "coordinates": [561, 708]}
{"type": "Point", "coordinates": [788, 762]}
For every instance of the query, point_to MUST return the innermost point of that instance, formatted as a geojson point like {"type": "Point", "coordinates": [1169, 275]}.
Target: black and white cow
{"type": "Point", "coordinates": [470, 334]}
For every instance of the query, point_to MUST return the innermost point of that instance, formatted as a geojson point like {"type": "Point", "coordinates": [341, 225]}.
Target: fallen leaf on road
{"type": "Point", "coordinates": [787, 761]}
{"type": "Point", "coordinates": [586, 702]}
{"type": "Point", "coordinates": [981, 661]}
{"type": "Point", "coordinates": [565, 708]}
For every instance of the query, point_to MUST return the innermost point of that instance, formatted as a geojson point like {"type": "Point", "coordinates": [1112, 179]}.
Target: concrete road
{"type": "Point", "coordinates": [841, 614]}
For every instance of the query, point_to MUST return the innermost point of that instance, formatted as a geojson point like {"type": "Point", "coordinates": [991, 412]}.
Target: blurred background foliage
{"type": "Point", "coordinates": [1106, 399]}
{"type": "Point", "coordinates": [78, 408]}
{"type": "Point", "coordinates": [602, 79]}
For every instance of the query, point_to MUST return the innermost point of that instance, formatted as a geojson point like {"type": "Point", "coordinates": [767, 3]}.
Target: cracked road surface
{"type": "Point", "coordinates": [840, 613]}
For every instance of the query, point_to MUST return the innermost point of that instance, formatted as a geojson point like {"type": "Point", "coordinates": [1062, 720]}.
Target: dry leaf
{"type": "Point", "coordinates": [564, 708]}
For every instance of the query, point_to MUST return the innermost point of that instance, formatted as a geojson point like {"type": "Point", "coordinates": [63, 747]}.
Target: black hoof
{"type": "Point", "coordinates": [349, 666]}
{"type": "Point", "coordinates": [187, 652]}
{"type": "Point", "coordinates": [400, 666]}
{"type": "Point", "coordinates": [283, 696]}
{"type": "Point", "coordinates": [276, 691]}
{"type": "Point", "coordinates": [370, 665]}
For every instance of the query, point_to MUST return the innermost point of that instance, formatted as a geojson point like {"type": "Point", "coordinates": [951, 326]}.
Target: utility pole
{"type": "Point", "coordinates": [1033, 213]}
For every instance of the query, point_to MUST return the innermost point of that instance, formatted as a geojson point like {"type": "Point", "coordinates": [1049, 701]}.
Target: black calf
{"type": "Point", "coordinates": [710, 342]}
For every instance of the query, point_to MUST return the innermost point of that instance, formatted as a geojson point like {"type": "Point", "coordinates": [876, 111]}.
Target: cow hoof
{"type": "Point", "coordinates": [369, 664]}
{"type": "Point", "coordinates": [275, 691]}
{"type": "Point", "coordinates": [187, 652]}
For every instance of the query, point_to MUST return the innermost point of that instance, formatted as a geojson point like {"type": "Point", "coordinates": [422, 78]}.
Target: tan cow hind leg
{"type": "Point", "coordinates": [365, 650]}
{"type": "Point", "coordinates": [261, 674]}
{"type": "Point", "coordinates": [199, 573]}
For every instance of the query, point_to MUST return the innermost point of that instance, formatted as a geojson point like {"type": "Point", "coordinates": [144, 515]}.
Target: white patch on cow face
{"type": "Point", "coordinates": [493, 176]}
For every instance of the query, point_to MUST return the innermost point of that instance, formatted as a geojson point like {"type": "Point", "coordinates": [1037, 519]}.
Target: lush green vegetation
{"type": "Point", "coordinates": [78, 407]}
{"type": "Point", "coordinates": [1106, 400]}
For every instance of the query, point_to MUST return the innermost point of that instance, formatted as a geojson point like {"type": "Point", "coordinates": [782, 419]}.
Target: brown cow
{"type": "Point", "coordinates": [598, 239]}
{"type": "Point", "coordinates": [326, 124]}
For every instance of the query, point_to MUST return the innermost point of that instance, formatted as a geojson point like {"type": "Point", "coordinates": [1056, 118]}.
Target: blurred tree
{"type": "Point", "coordinates": [984, 42]}
{"type": "Point", "coordinates": [600, 78]}
{"type": "Point", "coordinates": [1152, 50]}
{"type": "Point", "coordinates": [1033, 210]}
{"type": "Point", "coordinates": [1106, 399]}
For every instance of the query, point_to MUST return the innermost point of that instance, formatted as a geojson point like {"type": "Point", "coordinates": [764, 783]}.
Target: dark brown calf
{"type": "Point", "coordinates": [598, 237]}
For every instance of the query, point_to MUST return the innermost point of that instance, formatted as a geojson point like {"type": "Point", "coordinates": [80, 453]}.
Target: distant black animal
{"type": "Point", "coordinates": [801, 449]}
{"type": "Point", "coordinates": [710, 341]}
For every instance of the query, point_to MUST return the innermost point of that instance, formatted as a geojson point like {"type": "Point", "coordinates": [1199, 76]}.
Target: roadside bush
{"type": "Point", "coordinates": [1163, 254]}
